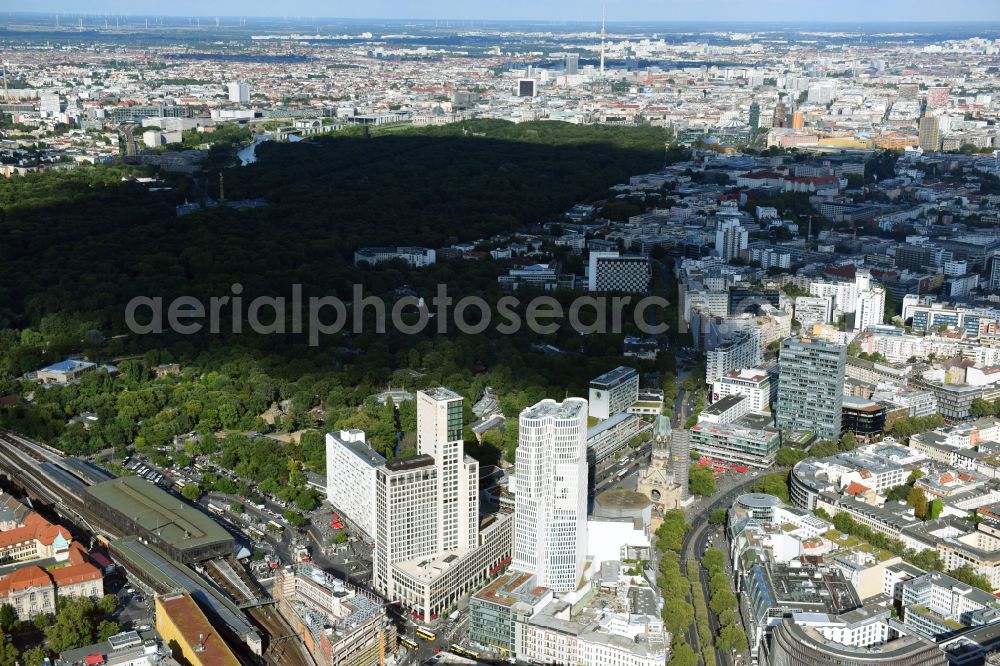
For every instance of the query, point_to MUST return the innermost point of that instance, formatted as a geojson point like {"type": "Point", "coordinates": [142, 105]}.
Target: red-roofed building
{"type": "Point", "coordinates": [69, 571]}
{"type": "Point", "coordinates": [30, 591]}
{"type": "Point", "coordinates": [856, 489]}
{"type": "Point", "coordinates": [36, 538]}
{"type": "Point", "coordinates": [861, 492]}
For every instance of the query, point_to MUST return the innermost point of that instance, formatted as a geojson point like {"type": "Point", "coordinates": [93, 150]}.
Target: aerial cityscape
{"type": "Point", "coordinates": [404, 334]}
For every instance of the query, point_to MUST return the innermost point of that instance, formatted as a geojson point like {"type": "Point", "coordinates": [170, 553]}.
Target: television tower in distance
{"type": "Point", "coordinates": [603, 12]}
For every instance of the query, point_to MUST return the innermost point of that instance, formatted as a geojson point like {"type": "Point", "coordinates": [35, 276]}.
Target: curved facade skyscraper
{"type": "Point", "coordinates": [550, 516]}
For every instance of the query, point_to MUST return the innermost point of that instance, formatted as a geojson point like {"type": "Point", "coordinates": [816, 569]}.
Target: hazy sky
{"type": "Point", "coordinates": [852, 11]}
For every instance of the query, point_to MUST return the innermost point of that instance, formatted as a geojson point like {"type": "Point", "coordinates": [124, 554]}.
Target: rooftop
{"type": "Point", "coordinates": [895, 651]}
{"type": "Point", "coordinates": [359, 448]}
{"type": "Point", "coordinates": [613, 378]}
{"type": "Point", "coordinates": [185, 615]}
{"type": "Point", "coordinates": [411, 462]}
{"type": "Point", "coordinates": [811, 589]}
{"type": "Point", "coordinates": [567, 409]}
{"type": "Point", "coordinates": [620, 498]}
{"type": "Point", "coordinates": [441, 393]}
{"type": "Point", "coordinates": [511, 588]}
{"type": "Point", "coordinates": [758, 501]}
{"type": "Point", "coordinates": [69, 365]}
{"type": "Point", "coordinates": [173, 521]}
{"type": "Point", "coordinates": [723, 405]}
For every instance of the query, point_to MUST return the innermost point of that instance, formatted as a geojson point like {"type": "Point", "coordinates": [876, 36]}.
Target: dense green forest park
{"type": "Point", "coordinates": [76, 245]}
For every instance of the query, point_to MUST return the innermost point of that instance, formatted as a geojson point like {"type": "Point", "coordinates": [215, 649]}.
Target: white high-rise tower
{"type": "Point", "coordinates": [550, 515]}
{"type": "Point", "coordinates": [440, 435]}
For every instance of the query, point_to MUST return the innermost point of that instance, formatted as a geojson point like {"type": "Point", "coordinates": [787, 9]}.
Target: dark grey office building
{"type": "Point", "coordinates": [913, 257]}
{"type": "Point", "coordinates": [811, 386]}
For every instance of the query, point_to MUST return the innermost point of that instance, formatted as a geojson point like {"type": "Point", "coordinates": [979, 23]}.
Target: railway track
{"type": "Point", "coordinates": [44, 473]}
{"type": "Point", "coordinates": [36, 450]}
{"type": "Point", "coordinates": [284, 648]}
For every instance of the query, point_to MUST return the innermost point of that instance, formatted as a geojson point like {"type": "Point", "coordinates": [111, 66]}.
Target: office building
{"type": "Point", "coordinates": [527, 88]}
{"type": "Point", "coordinates": [611, 272]}
{"type": "Point", "coordinates": [596, 634]}
{"type": "Point", "coordinates": [865, 418]}
{"type": "Point", "coordinates": [351, 466]}
{"type": "Point", "coordinates": [811, 386]}
{"type": "Point", "coordinates": [537, 276]}
{"type": "Point", "coordinates": [822, 92]}
{"type": "Point", "coordinates": [731, 239]}
{"type": "Point", "coordinates": [744, 350]}
{"type": "Point", "coordinates": [49, 104]}
{"type": "Point", "coordinates": [748, 440]}
{"type": "Point", "coordinates": [913, 257]}
{"type": "Point", "coordinates": [725, 410]}
{"type": "Point", "coordinates": [493, 609]}
{"type": "Point", "coordinates": [870, 308]}
{"type": "Point", "coordinates": [846, 292]}
{"type": "Point", "coordinates": [550, 534]}
{"type": "Point", "coordinates": [935, 606]}
{"type": "Point", "coordinates": [780, 117]}
{"type": "Point", "coordinates": [238, 91]}
{"type": "Point", "coordinates": [613, 392]}
{"type": "Point", "coordinates": [609, 436]}
{"type": "Point", "coordinates": [758, 385]}
{"type": "Point", "coordinates": [406, 510]}
{"type": "Point", "coordinates": [440, 435]}
{"type": "Point", "coordinates": [928, 315]}
{"type": "Point", "coordinates": [938, 97]}
{"type": "Point", "coordinates": [339, 624]}
{"type": "Point", "coordinates": [754, 119]}
{"type": "Point", "coordinates": [795, 644]}
{"type": "Point", "coordinates": [418, 257]}
{"type": "Point", "coordinates": [430, 546]}
{"type": "Point", "coordinates": [811, 310]}
{"type": "Point", "coordinates": [571, 63]}
{"type": "Point", "coordinates": [929, 134]}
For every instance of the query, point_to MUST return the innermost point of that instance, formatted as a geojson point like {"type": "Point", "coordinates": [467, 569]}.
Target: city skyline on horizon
{"type": "Point", "coordinates": [646, 11]}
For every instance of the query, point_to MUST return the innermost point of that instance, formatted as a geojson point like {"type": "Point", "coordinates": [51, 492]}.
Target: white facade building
{"type": "Point", "coordinates": [440, 435]}
{"type": "Point", "coordinates": [731, 239]}
{"type": "Point", "coordinates": [613, 392]}
{"type": "Point", "coordinates": [550, 518]}
{"type": "Point", "coordinates": [743, 351]}
{"type": "Point", "coordinates": [430, 547]}
{"type": "Point", "coordinates": [238, 92]}
{"type": "Point", "coordinates": [607, 638]}
{"type": "Point", "coordinates": [610, 272]}
{"type": "Point", "coordinates": [350, 477]}
{"type": "Point", "coordinates": [754, 383]}
{"type": "Point", "coordinates": [418, 257]}
{"type": "Point", "coordinates": [406, 518]}
{"type": "Point", "coordinates": [871, 308]}
{"type": "Point", "coordinates": [49, 104]}
{"type": "Point", "coordinates": [856, 628]}
{"type": "Point", "coordinates": [814, 310]}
